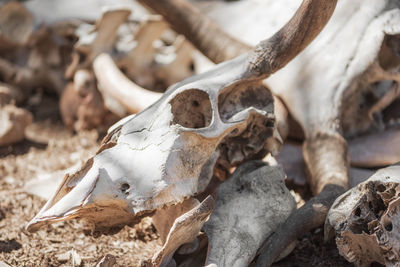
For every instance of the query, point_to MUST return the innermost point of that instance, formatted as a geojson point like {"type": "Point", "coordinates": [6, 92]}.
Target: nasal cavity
{"type": "Point", "coordinates": [191, 109]}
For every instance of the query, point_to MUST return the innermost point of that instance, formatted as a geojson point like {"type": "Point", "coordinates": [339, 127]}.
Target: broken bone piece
{"type": "Point", "coordinates": [13, 122]}
{"type": "Point", "coordinates": [366, 220]}
{"type": "Point", "coordinates": [81, 104]}
{"type": "Point", "coordinates": [164, 218]}
{"type": "Point", "coordinates": [249, 207]}
{"type": "Point", "coordinates": [184, 230]}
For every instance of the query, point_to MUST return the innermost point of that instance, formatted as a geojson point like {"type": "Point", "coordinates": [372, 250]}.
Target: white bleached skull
{"type": "Point", "coordinates": [366, 220]}
{"type": "Point", "coordinates": [168, 152]}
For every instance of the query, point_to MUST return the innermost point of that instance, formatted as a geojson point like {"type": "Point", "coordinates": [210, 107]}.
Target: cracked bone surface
{"type": "Point", "coordinates": [249, 207]}
{"type": "Point", "coordinates": [168, 152]}
{"type": "Point", "coordinates": [366, 220]}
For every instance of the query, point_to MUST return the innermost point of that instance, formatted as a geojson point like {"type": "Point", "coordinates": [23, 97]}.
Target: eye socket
{"type": "Point", "coordinates": [124, 188]}
{"type": "Point", "coordinates": [191, 109]}
{"type": "Point", "coordinates": [239, 97]}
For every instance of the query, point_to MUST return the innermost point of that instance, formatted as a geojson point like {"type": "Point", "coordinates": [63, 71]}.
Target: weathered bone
{"type": "Point", "coordinates": [184, 230]}
{"type": "Point", "coordinates": [249, 207]}
{"type": "Point", "coordinates": [366, 220]}
{"type": "Point", "coordinates": [81, 104]}
{"type": "Point", "coordinates": [112, 82]}
{"type": "Point", "coordinates": [164, 218]}
{"type": "Point", "coordinates": [170, 149]}
{"type": "Point", "coordinates": [13, 122]}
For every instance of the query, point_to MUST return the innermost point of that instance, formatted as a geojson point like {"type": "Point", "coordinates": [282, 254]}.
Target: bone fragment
{"type": "Point", "coordinates": [249, 208]}
{"type": "Point", "coordinates": [13, 122]}
{"type": "Point", "coordinates": [164, 218]}
{"type": "Point", "coordinates": [366, 220]}
{"type": "Point", "coordinates": [184, 230]}
{"type": "Point", "coordinates": [81, 104]}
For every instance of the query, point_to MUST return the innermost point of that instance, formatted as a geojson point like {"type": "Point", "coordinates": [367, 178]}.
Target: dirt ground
{"type": "Point", "coordinates": [50, 147]}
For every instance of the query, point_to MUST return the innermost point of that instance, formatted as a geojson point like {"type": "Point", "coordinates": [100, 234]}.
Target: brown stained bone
{"type": "Point", "coordinates": [328, 157]}
{"type": "Point", "coordinates": [184, 230]}
{"type": "Point", "coordinates": [198, 29]}
{"type": "Point", "coordinates": [113, 83]}
{"type": "Point", "coordinates": [366, 220]}
{"type": "Point", "coordinates": [16, 25]}
{"type": "Point", "coordinates": [13, 122]}
{"type": "Point", "coordinates": [164, 218]}
{"type": "Point", "coordinates": [81, 104]}
{"type": "Point", "coordinates": [249, 208]}
{"type": "Point", "coordinates": [375, 149]}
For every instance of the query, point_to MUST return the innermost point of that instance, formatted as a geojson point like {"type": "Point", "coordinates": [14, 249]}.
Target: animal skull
{"type": "Point", "coordinates": [168, 152]}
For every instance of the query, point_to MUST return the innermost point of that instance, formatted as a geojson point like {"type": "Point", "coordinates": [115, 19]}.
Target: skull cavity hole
{"type": "Point", "coordinates": [191, 109]}
{"type": "Point", "coordinates": [124, 188]}
{"type": "Point", "coordinates": [237, 98]}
